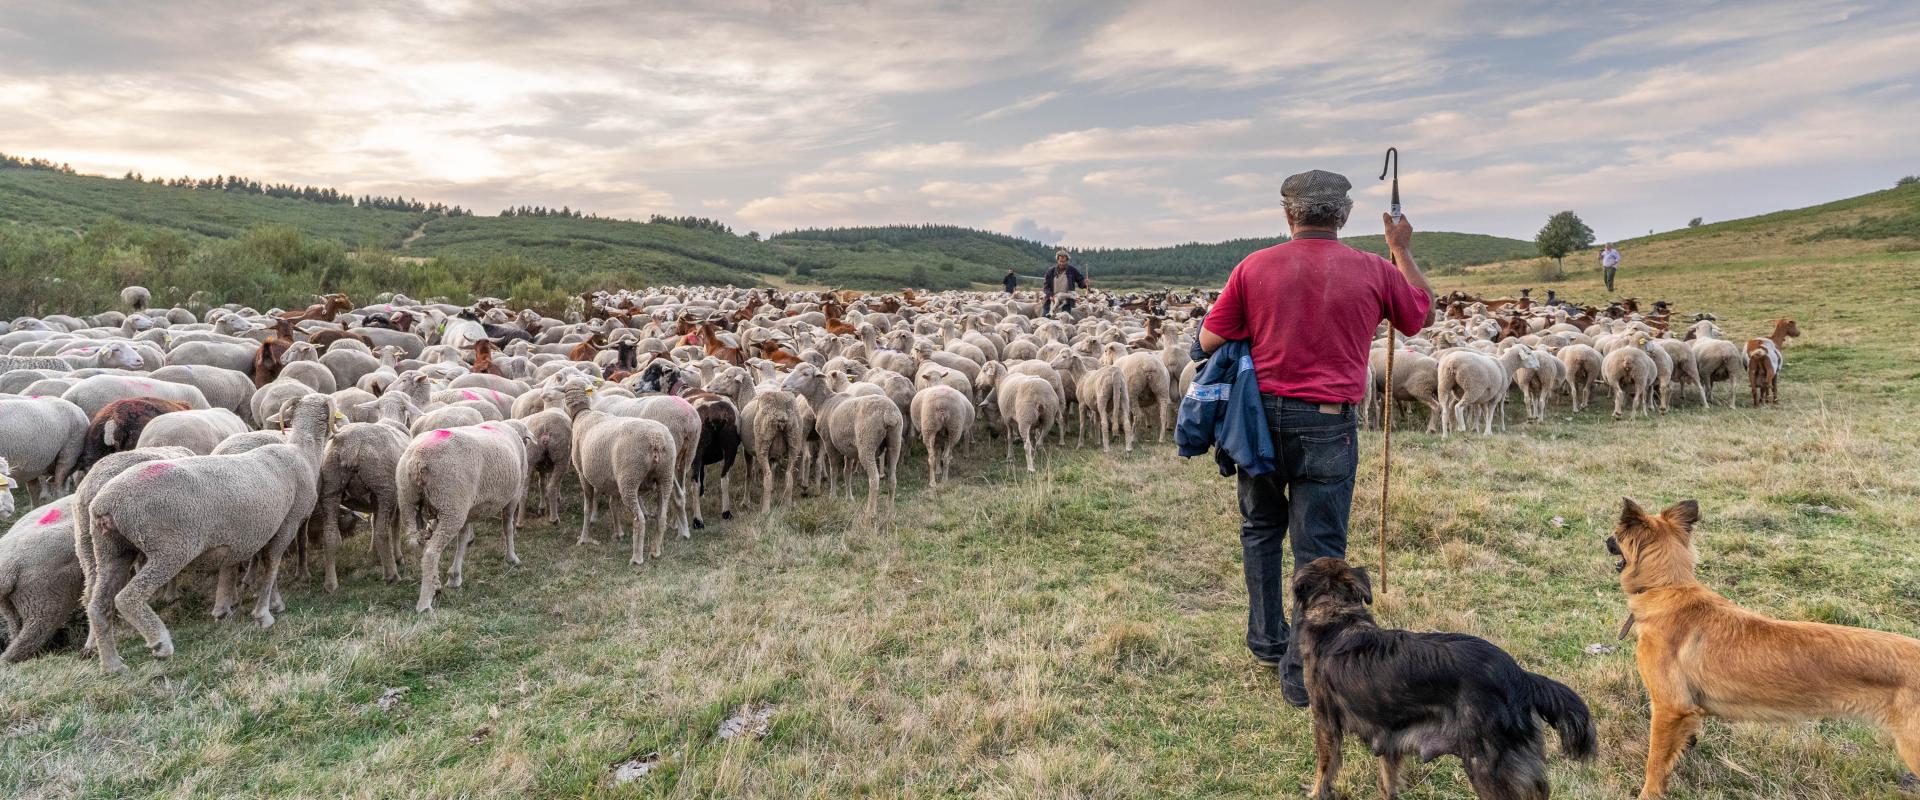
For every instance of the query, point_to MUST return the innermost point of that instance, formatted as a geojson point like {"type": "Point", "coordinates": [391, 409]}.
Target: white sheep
{"type": "Point", "coordinates": [1584, 366]}
{"type": "Point", "coordinates": [1102, 394]}
{"type": "Point", "coordinates": [449, 477]}
{"type": "Point", "coordinates": [40, 581]}
{"type": "Point", "coordinates": [358, 472]}
{"type": "Point", "coordinates": [1148, 383]}
{"type": "Point", "coordinates": [225, 509]}
{"type": "Point", "coordinates": [1470, 386]}
{"type": "Point", "coordinates": [199, 431]}
{"type": "Point", "coordinates": [1717, 360]}
{"type": "Point", "coordinates": [870, 429]}
{"type": "Point", "coordinates": [774, 428]}
{"type": "Point", "coordinates": [1630, 372]}
{"type": "Point", "coordinates": [1029, 409]}
{"type": "Point", "coordinates": [624, 458]}
{"type": "Point", "coordinates": [41, 437]}
{"type": "Point", "coordinates": [1540, 374]}
{"type": "Point", "coordinates": [943, 415]}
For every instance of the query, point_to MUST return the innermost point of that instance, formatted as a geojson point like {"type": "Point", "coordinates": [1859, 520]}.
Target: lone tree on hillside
{"type": "Point", "coordinates": [1906, 181]}
{"type": "Point", "coordinates": [1694, 223]}
{"type": "Point", "coordinates": [1563, 234]}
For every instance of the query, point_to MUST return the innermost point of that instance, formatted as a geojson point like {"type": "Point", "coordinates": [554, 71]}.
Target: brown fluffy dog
{"type": "Point", "coordinates": [1701, 655]}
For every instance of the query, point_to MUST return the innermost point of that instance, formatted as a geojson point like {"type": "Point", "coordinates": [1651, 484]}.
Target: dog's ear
{"type": "Point", "coordinates": [1302, 582]}
{"type": "Point", "coordinates": [1684, 514]}
{"type": "Point", "coordinates": [1364, 582]}
{"type": "Point", "coordinates": [1630, 512]}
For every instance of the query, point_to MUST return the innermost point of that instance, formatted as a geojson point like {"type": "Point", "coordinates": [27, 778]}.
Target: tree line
{"type": "Point", "coordinates": [326, 195]}
{"type": "Point", "coordinates": [18, 162]}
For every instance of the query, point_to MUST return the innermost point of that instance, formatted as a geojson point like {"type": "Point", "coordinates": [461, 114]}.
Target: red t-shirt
{"type": "Point", "coordinates": [1311, 307]}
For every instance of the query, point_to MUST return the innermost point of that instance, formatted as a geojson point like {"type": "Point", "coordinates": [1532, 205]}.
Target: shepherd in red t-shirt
{"type": "Point", "coordinates": [1310, 307]}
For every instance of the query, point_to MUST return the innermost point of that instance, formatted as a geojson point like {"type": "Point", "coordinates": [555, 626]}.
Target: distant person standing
{"type": "Point", "coordinates": [1060, 281]}
{"type": "Point", "coordinates": [1609, 264]}
{"type": "Point", "coordinates": [1010, 281]}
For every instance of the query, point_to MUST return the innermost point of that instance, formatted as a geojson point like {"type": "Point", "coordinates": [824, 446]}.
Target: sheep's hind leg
{"type": "Point", "coordinates": [110, 575]}
{"type": "Point", "coordinates": [511, 524]}
{"type": "Point", "coordinates": [630, 502]}
{"type": "Point", "coordinates": [270, 587]}
{"type": "Point", "coordinates": [223, 592]}
{"type": "Point", "coordinates": [660, 530]}
{"type": "Point", "coordinates": [589, 506]}
{"type": "Point", "coordinates": [456, 573]}
{"type": "Point", "coordinates": [134, 601]}
{"type": "Point", "coordinates": [430, 561]}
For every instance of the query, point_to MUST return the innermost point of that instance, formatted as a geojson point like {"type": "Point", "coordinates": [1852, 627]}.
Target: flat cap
{"type": "Point", "coordinates": [1316, 186]}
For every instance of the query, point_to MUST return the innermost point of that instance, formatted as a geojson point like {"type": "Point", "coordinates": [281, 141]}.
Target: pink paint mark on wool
{"type": "Point", "coordinates": [682, 400]}
{"type": "Point", "coordinates": [442, 435]}
{"type": "Point", "coordinates": [469, 395]}
{"type": "Point", "coordinates": [155, 468]}
{"type": "Point", "coordinates": [53, 515]}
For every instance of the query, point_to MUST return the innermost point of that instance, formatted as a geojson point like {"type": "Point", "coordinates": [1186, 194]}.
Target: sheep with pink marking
{"type": "Point", "coordinates": [450, 477]}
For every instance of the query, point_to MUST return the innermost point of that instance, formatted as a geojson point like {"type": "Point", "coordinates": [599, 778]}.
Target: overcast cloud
{"type": "Point", "coordinates": [1098, 123]}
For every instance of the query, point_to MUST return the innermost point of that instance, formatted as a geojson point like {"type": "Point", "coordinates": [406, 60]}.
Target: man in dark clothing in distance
{"type": "Point", "coordinates": [1010, 281]}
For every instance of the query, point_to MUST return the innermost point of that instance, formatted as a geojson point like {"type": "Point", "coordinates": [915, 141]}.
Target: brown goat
{"type": "Point", "coordinates": [330, 306]}
{"type": "Point", "coordinates": [483, 358]}
{"type": "Point", "coordinates": [587, 350]}
{"type": "Point", "coordinates": [326, 337]}
{"type": "Point", "coordinates": [710, 340]}
{"type": "Point", "coordinates": [1763, 379]}
{"type": "Point", "coordinates": [267, 361]}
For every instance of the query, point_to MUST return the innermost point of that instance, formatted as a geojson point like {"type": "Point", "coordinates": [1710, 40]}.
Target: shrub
{"type": "Point", "coordinates": [1907, 181]}
{"type": "Point", "coordinates": [1693, 223]}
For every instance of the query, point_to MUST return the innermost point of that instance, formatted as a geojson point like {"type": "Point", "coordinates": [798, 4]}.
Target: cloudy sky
{"type": "Point", "coordinates": [1096, 123]}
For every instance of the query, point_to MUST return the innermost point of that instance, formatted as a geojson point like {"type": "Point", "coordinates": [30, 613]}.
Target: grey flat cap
{"type": "Point", "coordinates": [1316, 186]}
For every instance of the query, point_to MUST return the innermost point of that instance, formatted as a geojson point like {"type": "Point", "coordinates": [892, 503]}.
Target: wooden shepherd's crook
{"type": "Point", "coordinates": [1386, 399]}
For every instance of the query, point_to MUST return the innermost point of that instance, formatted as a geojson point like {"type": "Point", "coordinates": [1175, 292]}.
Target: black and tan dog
{"type": "Point", "coordinates": [1424, 694]}
{"type": "Point", "coordinates": [1702, 655]}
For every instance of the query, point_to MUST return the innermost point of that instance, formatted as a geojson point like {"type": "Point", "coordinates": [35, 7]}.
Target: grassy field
{"type": "Point", "coordinates": [1075, 634]}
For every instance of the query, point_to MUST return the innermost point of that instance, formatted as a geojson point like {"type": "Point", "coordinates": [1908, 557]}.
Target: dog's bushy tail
{"type": "Point", "coordinates": [1567, 713]}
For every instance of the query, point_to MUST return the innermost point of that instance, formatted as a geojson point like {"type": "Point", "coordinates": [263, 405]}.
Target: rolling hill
{"type": "Point", "coordinates": [983, 257]}
{"type": "Point", "coordinates": [65, 237]}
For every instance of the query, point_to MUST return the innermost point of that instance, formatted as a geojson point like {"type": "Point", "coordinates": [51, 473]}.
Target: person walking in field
{"type": "Point", "coordinates": [1059, 282]}
{"type": "Point", "coordinates": [1609, 264]}
{"type": "Point", "coordinates": [1310, 307]}
{"type": "Point", "coordinates": [1010, 281]}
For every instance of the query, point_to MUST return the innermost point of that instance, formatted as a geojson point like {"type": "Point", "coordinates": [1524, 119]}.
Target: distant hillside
{"type": "Point", "coordinates": [983, 257]}
{"type": "Point", "coordinates": [1876, 222]}
{"type": "Point", "coordinates": [69, 241]}
{"type": "Point", "coordinates": [74, 202]}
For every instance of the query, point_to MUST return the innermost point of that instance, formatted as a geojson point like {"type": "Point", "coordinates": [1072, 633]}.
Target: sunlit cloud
{"type": "Point", "coordinates": [1140, 122]}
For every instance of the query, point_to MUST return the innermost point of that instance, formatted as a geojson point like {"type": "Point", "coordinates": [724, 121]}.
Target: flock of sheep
{"type": "Point", "coordinates": [162, 445]}
{"type": "Point", "coordinates": [1481, 352]}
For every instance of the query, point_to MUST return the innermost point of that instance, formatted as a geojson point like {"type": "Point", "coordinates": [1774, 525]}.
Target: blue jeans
{"type": "Point", "coordinates": [1310, 495]}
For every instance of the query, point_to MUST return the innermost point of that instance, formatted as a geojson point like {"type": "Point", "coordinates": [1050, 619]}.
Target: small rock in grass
{"type": "Point", "coordinates": [391, 698]}
{"type": "Point", "coordinates": [635, 768]}
{"type": "Point", "coordinates": [1599, 649]}
{"type": "Point", "coordinates": [754, 720]}
{"type": "Point", "coordinates": [1558, 522]}
{"type": "Point", "coordinates": [480, 735]}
